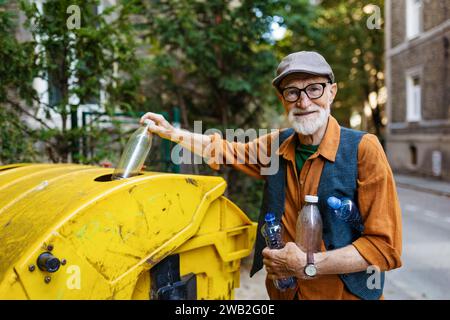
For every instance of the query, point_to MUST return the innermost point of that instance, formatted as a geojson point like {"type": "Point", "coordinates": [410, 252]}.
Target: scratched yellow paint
{"type": "Point", "coordinates": [111, 233]}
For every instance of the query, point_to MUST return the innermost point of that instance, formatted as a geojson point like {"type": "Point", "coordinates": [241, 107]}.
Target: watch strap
{"type": "Point", "coordinates": [310, 257]}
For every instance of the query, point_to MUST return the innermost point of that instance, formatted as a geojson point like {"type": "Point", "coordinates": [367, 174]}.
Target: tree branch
{"type": "Point", "coordinates": [23, 110]}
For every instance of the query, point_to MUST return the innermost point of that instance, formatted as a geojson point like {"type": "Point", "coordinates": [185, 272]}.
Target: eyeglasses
{"type": "Point", "coordinates": [312, 91]}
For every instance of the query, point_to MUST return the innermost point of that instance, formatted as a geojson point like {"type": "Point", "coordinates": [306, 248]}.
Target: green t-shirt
{"type": "Point", "coordinates": [302, 153]}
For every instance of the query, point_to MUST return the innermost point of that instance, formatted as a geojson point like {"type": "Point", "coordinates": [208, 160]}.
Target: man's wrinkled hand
{"type": "Point", "coordinates": [161, 126]}
{"type": "Point", "coordinates": [284, 263]}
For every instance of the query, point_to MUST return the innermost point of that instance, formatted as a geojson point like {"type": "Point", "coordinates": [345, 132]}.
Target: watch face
{"type": "Point", "coordinates": [310, 270]}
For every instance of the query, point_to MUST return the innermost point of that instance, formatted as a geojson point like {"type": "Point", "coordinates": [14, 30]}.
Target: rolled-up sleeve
{"type": "Point", "coordinates": [381, 241]}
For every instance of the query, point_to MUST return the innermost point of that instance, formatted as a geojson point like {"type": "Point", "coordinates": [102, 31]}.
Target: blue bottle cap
{"type": "Point", "coordinates": [334, 202]}
{"type": "Point", "coordinates": [270, 217]}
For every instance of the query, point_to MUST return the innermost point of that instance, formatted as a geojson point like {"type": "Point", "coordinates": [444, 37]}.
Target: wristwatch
{"type": "Point", "coordinates": [310, 268]}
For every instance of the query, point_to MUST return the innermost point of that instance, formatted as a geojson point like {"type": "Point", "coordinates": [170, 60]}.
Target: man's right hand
{"type": "Point", "coordinates": [161, 127]}
{"type": "Point", "coordinates": [195, 142]}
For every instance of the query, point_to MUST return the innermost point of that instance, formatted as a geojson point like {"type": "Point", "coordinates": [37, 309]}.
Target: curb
{"type": "Point", "coordinates": [424, 189]}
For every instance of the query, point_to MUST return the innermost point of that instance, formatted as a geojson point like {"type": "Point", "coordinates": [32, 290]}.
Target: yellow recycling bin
{"type": "Point", "coordinates": [68, 232]}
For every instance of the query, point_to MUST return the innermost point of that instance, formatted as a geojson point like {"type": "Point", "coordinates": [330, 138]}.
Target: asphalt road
{"type": "Point", "coordinates": [425, 273]}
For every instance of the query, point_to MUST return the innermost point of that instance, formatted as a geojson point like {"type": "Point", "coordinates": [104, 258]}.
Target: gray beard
{"type": "Point", "coordinates": [310, 126]}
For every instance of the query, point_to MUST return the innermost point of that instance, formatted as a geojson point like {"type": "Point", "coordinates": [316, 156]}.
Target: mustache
{"type": "Point", "coordinates": [298, 111]}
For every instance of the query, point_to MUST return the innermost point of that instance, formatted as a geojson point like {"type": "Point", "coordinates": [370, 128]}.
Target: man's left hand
{"type": "Point", "coordinates": [286, 262]}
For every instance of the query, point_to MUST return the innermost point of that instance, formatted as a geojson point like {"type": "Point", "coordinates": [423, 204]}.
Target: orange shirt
{"type": "Point", "coordinates": [381, 242]}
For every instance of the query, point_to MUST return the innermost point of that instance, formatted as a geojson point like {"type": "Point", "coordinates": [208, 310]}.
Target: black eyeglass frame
{"type": "Point", "coordinates": [323, 84]}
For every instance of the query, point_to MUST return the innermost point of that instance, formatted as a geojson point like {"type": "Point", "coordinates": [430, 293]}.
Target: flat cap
{"type": "Point", "coordinates": [303, 61]}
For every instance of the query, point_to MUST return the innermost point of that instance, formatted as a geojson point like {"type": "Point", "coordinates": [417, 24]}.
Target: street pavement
{"type": "Point", "coordinates": [425, 273]}
{"type": "Point", "coordinates": [251, 288]}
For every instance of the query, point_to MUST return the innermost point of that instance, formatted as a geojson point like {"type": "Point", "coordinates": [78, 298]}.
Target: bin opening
{"type": "Point", "coordinates": [9, 168]}
{"type": "Point", "coordinates": [107, 178]}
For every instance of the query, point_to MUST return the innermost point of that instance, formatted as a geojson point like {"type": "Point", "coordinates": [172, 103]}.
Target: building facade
{"type": "Point", "coordinates": [418, 84]}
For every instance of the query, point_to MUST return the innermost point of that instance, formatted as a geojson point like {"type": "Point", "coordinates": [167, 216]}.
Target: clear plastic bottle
{"type": "Point", "coordinates": [272, 232]}
{"type": "Point", "coordinates": [309, 227]}
{"type": "Point", "coordinates": [346, 210]}
{"type": "Point", "coordinates": [135, 153]}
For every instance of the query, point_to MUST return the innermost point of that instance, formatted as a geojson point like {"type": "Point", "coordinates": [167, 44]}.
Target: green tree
{"type": "Point", "coordinates": [78, 64]}
{"type": "Point", "coordinates": [16, 140]}
{"type": "Point", "coordinates": [211, 59]}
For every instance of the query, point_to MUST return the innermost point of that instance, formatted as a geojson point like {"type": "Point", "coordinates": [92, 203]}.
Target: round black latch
{"type": "Point", "coordinates": [48, 262]}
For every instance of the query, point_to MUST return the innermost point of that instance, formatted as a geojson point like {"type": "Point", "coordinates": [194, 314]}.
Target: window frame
{"type": "Point", "coordinates": [412, 112]}
{"type": "Point", "coordinates": [414, 27]}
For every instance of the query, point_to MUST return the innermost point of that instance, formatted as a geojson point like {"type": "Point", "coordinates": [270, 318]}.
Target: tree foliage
{"type": "Point", "coordinates": [211, 59]}
{"type": "Point", "coordinates": [78, 64]}
{"type": "Point", "coordinates": [16, 142]}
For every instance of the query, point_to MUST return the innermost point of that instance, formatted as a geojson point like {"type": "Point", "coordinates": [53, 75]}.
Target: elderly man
{"type": "Point", "coordinates": [316, 157]}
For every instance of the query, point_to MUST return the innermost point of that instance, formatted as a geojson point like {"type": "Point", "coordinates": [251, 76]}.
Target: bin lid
{"type": "Point", "coordinates": [39, 199]}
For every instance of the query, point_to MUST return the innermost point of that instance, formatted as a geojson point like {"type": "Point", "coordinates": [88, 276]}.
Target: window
{"type": "Point", "coordinates": [413, 155]}
{"type": "Point", "coordinates": [413, 18]}
{"type": "Point", "coordinates": [54, 89]}
{"type": "Point", "coordinates": [413, 98]}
